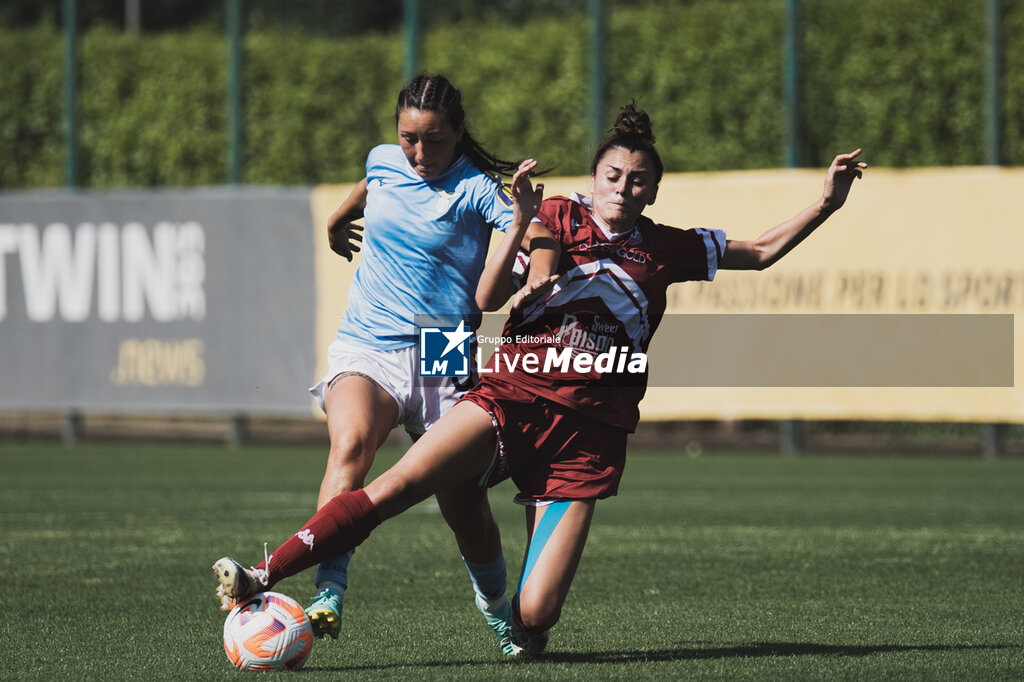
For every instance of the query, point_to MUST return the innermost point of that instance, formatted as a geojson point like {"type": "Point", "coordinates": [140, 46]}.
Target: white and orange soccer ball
{"type": "Point", "coordinates": [268, 632]}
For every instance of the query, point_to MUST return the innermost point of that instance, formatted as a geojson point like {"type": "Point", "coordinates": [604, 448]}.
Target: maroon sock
{"type": "Point", "coordinates": [339, 526]}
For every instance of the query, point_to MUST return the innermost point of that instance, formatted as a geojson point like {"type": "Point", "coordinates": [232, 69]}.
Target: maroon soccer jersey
{"type": "Point", "coordinates": [607, 303]}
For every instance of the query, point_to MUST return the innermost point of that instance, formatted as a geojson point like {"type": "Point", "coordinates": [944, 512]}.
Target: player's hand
{"type": "Point", "coordinates": [839, 179]}
{"type": "Point", "coordinates": [526, 198]}
{"type": "Point", "coordinates": [345, 238]}
{"type": "Point", "coordinates": [533, 290]}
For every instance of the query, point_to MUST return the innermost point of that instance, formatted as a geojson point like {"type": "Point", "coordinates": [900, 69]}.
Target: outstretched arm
{"type": "Point", "coordinates": [495, 286]}
{"type": "Point", "coordinates": [343, 235]}
{"type": "Point", "coordinates": [759, 253]}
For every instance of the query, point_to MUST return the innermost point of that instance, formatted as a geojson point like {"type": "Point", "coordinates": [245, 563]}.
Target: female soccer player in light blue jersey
{"type": "Point", "coordinates": [429, 205]}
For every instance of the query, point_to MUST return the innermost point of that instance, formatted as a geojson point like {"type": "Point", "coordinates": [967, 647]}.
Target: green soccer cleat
{"type": "Point", "coordinates": [499, 617]}
{"type": "Point", "coordinates": [237, 583]}
{"type": "Point", "coordinates": [325, 613]}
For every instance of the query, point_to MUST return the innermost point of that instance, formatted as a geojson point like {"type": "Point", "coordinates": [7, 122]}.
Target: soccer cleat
{"type": "Point", "coordinates": [528, 643]}
{"type": "Point", "coordinates": [237, 583]}
{"type": "Point", "coordinates": [325, 613]}
{"type": "Point", "coordinates": [499, 617]}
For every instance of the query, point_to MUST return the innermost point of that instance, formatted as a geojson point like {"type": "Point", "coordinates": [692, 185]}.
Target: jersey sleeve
{"type": "Point", "coordinates": [494, 203]}
{"type": "Point", "coordinates": [554, 214]}
{"type": "Point", "coordinates": [376, 160]}
{"type": "Point", "coordinates": [520, 268]}
{"type": "Point", "coordinates": [697, 253]}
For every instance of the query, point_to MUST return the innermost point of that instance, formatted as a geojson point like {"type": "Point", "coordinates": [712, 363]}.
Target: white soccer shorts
{"type": "Point", "coordinates": [421, 400]}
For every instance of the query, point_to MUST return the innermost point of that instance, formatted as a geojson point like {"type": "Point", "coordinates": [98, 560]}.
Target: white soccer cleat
{"type": "Point", "coordinates": [237, 583]}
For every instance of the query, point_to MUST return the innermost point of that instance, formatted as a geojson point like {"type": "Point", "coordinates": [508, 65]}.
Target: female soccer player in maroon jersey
{"type": "Point", "coordinates": [557, 401]}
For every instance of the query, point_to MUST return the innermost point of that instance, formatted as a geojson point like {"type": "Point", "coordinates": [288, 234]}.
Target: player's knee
{"type": "Point", "coordinates": [351, 450]}
{"type": "Point", "coordinates": [393, 492]}
{"type": "Point", "coordinates": [539, 612]}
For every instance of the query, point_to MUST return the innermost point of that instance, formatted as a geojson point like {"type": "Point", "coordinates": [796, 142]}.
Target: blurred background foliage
{"type": "Point", "coordinates": [904, 80]}
{"type": "Point", "coordinates": [332, 18]}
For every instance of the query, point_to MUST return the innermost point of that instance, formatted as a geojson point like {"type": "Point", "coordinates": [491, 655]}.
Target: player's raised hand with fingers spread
{"type": "Point", "coordinates": [526, 198]}
{"type": "Point", "coordinates": [841, 174]}
{"type": "Point", "coordinates": [495, 286]}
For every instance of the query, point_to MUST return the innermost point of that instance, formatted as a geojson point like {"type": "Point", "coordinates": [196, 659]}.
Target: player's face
{"type": "Point", "coordinates": [622, 187]}
{"type": "Point", "coordinates": [428, 140]}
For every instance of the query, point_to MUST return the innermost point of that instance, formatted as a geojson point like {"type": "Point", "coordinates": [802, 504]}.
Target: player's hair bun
{"type": "Point", "coordinates": [634, 122]}
{"type": "Point", "coordinates": [634, 133]}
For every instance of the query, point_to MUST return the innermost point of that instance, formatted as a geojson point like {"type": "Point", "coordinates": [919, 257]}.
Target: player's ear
{"type": "Point", "coordinates": [591, 185]}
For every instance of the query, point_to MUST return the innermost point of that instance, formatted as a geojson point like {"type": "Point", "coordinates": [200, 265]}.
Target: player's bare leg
{"type": "Point", "coordinates": [557, 534]}
{"type": "Point", "coordinates": [468, 512]}
{"type": "Point", "coordinates": [454, 450]}
{"type": "Point", "coordinates": [360, 416]}
{"type": "Point", "coordinates": [450, 458]}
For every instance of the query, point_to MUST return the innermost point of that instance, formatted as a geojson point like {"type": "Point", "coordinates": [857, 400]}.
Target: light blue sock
{"type": "Point", "coordinates": [334, 571]}
{"type": "Point", "coordinates": [488, 579]}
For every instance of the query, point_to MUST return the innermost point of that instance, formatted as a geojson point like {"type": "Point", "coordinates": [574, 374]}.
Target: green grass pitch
{"type": "Point", "coordinates": [728, 566]}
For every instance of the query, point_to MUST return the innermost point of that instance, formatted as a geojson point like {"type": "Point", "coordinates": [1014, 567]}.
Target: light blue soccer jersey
{"type": "Point", "coordinates": [424, 247]}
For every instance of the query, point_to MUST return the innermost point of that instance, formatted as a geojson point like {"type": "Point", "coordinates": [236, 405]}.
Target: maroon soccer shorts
{"type": "Point", "coordinates": [550, 451]}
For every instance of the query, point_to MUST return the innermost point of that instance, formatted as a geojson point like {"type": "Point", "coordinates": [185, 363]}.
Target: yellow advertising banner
{"type": "Point", "coordinates": [944, 242]}
{"type": "Point", "coordinates": [332, 275]}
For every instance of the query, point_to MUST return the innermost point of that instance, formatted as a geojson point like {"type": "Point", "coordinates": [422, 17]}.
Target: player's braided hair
{"type": "Point", "coordinates": [634, 133]}
{"type": "Point", "coordinates": [436, 93]}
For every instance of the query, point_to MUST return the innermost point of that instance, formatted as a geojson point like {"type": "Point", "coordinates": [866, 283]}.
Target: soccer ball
{"type": "Point", "coordinates": [268, 632]}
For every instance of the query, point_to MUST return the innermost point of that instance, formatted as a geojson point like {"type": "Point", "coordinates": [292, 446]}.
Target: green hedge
{"type": "Point", "coordinates": [904, 80]}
